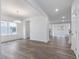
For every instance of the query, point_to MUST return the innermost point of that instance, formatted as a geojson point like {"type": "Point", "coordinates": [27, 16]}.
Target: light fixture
{"type": "Point", "coordinates": [63, 17]}
{"type": "Point", "coordinates": [56, 10]}
{"type": "Point", "coordinates": [17, 21]}
{"type": "Point", "coordinates": [2, 21]}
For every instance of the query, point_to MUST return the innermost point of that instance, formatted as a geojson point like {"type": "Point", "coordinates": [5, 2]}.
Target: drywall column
{"type": "Point", "coordinates": [39, 29]}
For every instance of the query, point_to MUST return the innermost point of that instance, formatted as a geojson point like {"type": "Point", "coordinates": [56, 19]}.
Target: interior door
{"type": "Point", "coordinates": [28, 29]}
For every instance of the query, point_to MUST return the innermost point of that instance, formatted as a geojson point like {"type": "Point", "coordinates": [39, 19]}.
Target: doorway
{"type": "Point", "coordinates": [28, 29]}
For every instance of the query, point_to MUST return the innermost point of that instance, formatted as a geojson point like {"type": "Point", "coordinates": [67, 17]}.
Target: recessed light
{"type": "Point", "coordinates": [73, 15]}
{"type": "Point", "coordinates": [63, 17]}
{"type": "Point", "coordinates": [56, 10]}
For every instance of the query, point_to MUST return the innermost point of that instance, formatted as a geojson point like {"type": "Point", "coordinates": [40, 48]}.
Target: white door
{"type": "Point", "coordinates": [28, 29]}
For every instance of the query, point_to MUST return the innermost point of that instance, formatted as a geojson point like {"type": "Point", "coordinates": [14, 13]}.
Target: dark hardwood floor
{"type": "Point", "coordinates": [26, 49]}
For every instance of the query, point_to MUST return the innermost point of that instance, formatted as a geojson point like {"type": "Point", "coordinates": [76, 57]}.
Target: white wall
{"type": "Point", "coordinates": [75, 28]}
{"type": "Point", "coordinates": [39, 30]}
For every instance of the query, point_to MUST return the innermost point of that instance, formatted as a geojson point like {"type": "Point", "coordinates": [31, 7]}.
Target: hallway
{"type": "Point", "coordinates": [22, 49]}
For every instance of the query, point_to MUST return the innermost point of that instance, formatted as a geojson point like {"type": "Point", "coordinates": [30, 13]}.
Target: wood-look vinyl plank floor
{"type": "Point", "coordinates": [26, 49]}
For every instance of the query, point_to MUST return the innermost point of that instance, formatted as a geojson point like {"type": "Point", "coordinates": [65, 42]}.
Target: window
{"type": "Point", "coordinates": [12, 28]}
{"type": "Point", "coordinates": [7, 28]}
{"type": "Point", "coordinates": [3, 28]}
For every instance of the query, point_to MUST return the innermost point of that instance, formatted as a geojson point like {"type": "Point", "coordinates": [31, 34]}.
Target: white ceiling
{"type": "Point", "coordinates": [19, 9]}
{"type": "Point", "coordinates": [22, 9]}
{"type": "Point", "coordinates": [49, 7]}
